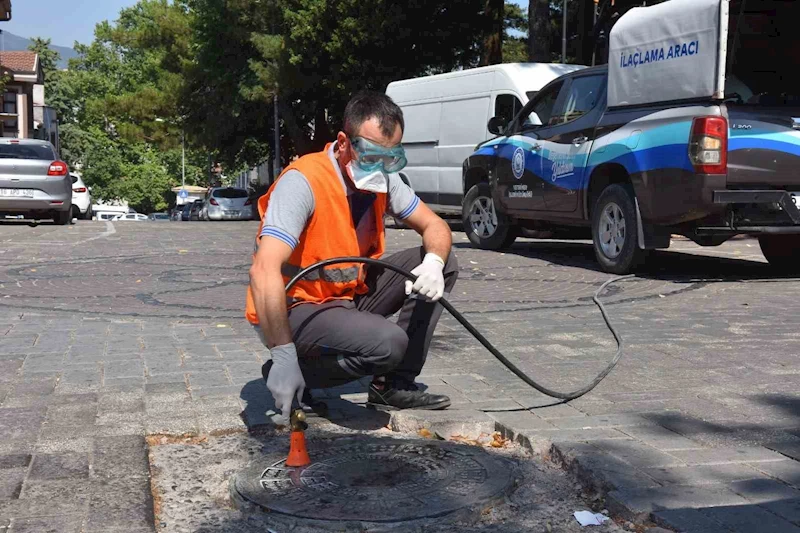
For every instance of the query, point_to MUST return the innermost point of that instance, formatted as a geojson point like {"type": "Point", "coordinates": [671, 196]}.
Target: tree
{"type": "Point", "coordinates": [48, 58]}
{"type": "Point", "coordinates": [120, 106]}
{"type": "Point", "coordinates": [314, 54]}
{"type": "Point", "coordinates": [539, 31]}
{"type": "Point", "coordinates": [515, 44]}
{"type": "Point", "coordinates": [493, 45]}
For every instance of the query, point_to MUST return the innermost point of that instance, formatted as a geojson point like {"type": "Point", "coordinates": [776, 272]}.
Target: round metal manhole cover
{"type": "Point", "coordinates": [377, 481]}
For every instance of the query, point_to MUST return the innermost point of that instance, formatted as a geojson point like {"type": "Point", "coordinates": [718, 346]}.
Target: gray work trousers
{"type": "Point", "coordinates": [345, 340]}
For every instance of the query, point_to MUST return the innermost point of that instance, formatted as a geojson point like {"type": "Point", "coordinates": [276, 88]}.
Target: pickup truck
{"type": "Point", "coordinates": [692, 128]}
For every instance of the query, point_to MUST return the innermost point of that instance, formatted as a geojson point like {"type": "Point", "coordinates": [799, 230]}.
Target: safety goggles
{"type": "Point", "coordinates": [371, 156]}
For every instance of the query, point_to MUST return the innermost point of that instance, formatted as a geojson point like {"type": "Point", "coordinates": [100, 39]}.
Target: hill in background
{"type": "Point", "coordinates": [11, 42]}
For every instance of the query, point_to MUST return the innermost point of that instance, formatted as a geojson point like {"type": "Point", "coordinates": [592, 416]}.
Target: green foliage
{"type": "Point", "coordinates": [315, 54]}
{"type": "Point", "coordinates": [109, 100]}
{"type": "Point", "coordinates": [48, 57]}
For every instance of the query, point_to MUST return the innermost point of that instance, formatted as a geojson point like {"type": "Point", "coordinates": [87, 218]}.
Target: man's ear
{"type": "Point", "coordinates": [342, 142]}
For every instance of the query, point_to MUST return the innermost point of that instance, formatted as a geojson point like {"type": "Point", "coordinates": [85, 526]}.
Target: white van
{"type": "Point", "coordinates": [446, 117]}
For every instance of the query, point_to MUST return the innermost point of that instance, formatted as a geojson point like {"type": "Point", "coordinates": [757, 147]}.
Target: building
{"type": "Point", "coordinates": [5, 10]}
{"type": "Point", "coordinates": [24, 114]}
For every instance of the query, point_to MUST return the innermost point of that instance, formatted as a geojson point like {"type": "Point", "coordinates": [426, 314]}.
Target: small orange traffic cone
{"type": "Point", "coordinates": [298, 454]}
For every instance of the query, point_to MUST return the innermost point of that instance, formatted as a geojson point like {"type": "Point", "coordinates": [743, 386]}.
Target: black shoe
{"type": "Point", "coordinates": [404, 396]}
{"type": "Point", "coordinates": [311, 406]}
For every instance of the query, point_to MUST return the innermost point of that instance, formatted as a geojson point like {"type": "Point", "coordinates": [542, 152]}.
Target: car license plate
{"type": "Point", "coordinates": [16, 193]}
{"type": "Point", "coordinates": [232, 213]}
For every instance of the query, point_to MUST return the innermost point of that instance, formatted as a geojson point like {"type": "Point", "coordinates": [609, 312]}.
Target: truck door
{"type": "Point", "coordinates": [567, 139]}
{"type": "Point", "coordinates": [518, 171]}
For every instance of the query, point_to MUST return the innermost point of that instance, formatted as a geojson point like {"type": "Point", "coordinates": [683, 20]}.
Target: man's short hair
{"type": "Point", "coordinates": [365, 105]}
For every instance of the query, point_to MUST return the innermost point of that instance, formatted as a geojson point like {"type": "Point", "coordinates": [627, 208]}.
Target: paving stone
{"type": "Point", "coordinates": [690, 521]}
{"type": "Point", "coordinates": [71, 415]}
{"type": "Point", "coordinates": [21, 423]}
{"type": "Point", "coordinates": [764, 490]}
{"type": "Point", "coordinates": [660, 438]}
{"type": "Point", "coordinates": [749, 518]}
{"type": "Point", "coordinates": [788, 449]}
{"type": "Point", "coordinates": [636, 453]}
{"type": "Point", "coordinates": [124, 454]}
{"type": "Point", "coordinates": [60, 466]}
{"type": "Point", "coordinates": [787, 509]}
{"type": "Point", "coordinates": [601, 421]}
{"type": "Point", "coordinates": [639, 503]}
{"type": "Point", "coordinates": [520, 421]}
{"type": "Point", "coordinates": [19, 460]}
{"type": "Point", "coordinates": [73, 491]}
{"type": "Point", "coordinates": [786, 471]}
{"type": "Point", "coordinates": [727, 455]}
{"type": "Point", "coordinates": [704, 474]}
{"type": "Point", "coordinates": [199, 380]}
{"type": "Point", "coordinates": [51, 524]}
{"type": "Point", "coordinates": [123, 369]}
{"type": "Point", "coordinates": [11, 483]}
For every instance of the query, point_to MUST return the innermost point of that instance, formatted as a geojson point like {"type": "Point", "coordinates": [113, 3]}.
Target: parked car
{"type": "Point", "coordinates": [106, 215]}
{"type": "Point", "coordinates": [671, 137]}
{"type": "Point", "coordinates": [194, 212]}
{"type": "Point", "coordinates": [81, 198]}
{"type": "Point", "coordinates": [33, 181]}
{"type": "Point", "coordinates": [158, 217]}
{"type": "Point", "coordinates": [446, 115]}
{"type": "Point", "coordinates": [132, 217]}
{"type": "Point", "coordinates": [186, 212]}
{"type": "Point", "coordinates": [228, 203]}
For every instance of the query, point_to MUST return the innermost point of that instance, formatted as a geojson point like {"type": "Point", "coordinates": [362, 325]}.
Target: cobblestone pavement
{"type": "Point", "coordinates": [109, 333]}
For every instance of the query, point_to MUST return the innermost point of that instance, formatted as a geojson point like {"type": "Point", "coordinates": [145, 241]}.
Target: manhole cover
{"type": "Point", "coordinates": [377, 481]}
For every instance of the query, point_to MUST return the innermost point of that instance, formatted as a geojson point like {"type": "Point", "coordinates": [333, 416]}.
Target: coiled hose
{"type": "Point", "coordinates": [564, 396]}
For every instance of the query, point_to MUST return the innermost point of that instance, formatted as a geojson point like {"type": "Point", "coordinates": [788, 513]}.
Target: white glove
{"type": "Point", "coordinates": [430, 278]}
{"type": "Point", "coordinates": [285, 380]}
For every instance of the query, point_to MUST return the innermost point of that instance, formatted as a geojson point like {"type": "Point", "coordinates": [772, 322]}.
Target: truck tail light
{"type": "Point", "coordinates": [213, 202]}
{"type": "Point", "coordinates": [57, 168]}
{"type": "Point", "coordinates": [708, 145]}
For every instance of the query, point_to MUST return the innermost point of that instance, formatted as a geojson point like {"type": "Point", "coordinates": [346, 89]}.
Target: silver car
{"type": "Point", "coordinates": [228, 203]}
{"type": "Point", "coordinates": [33, 181]}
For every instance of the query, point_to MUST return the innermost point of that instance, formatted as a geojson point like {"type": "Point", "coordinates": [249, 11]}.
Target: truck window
{"type": "Point", "coordinates": [545, 103]}
{"type": "Point", "coordinates": [582, 97]}
{"type": "Point", "coordinates": [507, 106]}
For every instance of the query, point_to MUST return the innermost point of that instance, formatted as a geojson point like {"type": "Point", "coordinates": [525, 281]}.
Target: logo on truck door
{"type": "Point", "coordinates": [518, 163]}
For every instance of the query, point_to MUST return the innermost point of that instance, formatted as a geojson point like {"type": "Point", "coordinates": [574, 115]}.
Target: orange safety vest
{"type": "Point", "coordinates": [329, 233]}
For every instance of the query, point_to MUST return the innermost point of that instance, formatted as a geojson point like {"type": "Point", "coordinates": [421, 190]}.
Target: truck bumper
{"type": "Point", "coordinates": [755, 212]}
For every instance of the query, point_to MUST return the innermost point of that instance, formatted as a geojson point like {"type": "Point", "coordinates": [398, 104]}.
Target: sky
{"type": "Point", "coordinates": [65, 22]}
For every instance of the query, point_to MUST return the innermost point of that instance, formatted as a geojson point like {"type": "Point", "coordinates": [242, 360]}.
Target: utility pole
{"type": "Point", "coordinates": [183, 158]}
{"type": "Point", "coordinates": [564, 34]}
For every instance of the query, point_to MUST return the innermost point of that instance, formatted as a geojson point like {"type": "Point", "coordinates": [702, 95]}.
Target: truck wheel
{"type": "Point", "coordinates": [782, 251]}
{"type": "Point", "coordinates": [614, 230]}
{"type": "Point", "coordinates": [485, 227]}
{"type": "Point", "coordinates": [62, 218]}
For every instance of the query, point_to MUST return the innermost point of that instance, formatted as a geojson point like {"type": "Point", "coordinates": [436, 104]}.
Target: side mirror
{"type": "Point", "coordinates": [497, 125]}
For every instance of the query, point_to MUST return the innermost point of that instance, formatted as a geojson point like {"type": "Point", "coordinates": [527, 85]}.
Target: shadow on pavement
{"type": "Point", "coordinates": [664, 265]}
{"type": "Point", "coordinates": [344, 413]}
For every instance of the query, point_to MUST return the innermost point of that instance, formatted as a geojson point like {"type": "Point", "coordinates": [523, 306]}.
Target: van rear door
{"type": "Point", "coordinates": [761, 96]}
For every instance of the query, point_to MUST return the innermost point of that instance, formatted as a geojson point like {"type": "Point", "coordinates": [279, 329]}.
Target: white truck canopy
{"type": "Point", "coordinates": [675, 50]}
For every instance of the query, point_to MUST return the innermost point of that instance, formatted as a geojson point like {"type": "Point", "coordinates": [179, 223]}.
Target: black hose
{"type": "Point", "coordinates": [565, 396]}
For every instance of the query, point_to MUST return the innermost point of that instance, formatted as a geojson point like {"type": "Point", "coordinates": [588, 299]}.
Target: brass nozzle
{"type": "Point", "coordinates": [298, 420]}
